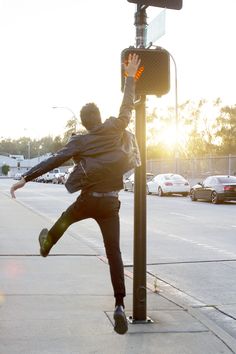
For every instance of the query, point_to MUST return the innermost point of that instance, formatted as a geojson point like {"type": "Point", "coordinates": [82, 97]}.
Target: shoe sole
{"type": "Point", "coordinates": [121, 324]}
{"type": "Point", "coordinates": [41, 240]}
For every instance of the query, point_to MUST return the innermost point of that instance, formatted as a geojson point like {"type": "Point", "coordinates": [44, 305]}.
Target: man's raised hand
{"type": "Point", "coordinates": [132, 65]}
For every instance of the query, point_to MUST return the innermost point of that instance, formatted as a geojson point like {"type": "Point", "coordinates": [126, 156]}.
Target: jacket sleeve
{"type": "Point", "coordinates": [127, 104]}
{"type": "Point", "coordinates": [61, 156]}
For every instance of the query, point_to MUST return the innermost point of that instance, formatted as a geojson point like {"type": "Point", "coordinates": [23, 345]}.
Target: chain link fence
{"type": "Point", "coordinates": [192, 169]}
{"type": "Point", "coordinates": [196, 168]}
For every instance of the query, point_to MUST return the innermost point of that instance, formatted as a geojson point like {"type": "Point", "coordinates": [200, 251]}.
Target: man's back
{"type": "Point", "coordinates": [101, 160]}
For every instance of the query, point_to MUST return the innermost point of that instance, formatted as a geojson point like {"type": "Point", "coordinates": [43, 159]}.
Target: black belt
{"type": "Point", "coordinates": [104, 194]}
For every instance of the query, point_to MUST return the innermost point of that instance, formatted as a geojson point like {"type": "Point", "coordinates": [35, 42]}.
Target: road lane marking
{"type": "Point", "coordinates": [206, 246]}
{"type": "Point", "coordinates": [184, 215]}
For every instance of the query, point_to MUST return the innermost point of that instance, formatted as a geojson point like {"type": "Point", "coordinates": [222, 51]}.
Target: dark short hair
{"type": "Point", "coordinates": [90, 116]}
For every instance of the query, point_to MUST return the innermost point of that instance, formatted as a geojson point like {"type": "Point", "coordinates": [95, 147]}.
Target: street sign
{"type": "Point", "coordinates": [168, 4]}
{"type": "Point", "coordinates": [156, 28]}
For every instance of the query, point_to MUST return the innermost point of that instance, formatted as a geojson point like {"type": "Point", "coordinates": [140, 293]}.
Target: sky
{"type": "Point", "coordinates": [66, 53]}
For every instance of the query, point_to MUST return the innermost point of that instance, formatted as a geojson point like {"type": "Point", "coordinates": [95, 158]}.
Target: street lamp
{"type": "Point", "coordinates": [176, 116]}
{"type": "Point", "coordinates": [73, 116]}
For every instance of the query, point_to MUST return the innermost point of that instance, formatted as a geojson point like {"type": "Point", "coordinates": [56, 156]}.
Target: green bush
{"type": "Point", "coordinates": [5, 169]}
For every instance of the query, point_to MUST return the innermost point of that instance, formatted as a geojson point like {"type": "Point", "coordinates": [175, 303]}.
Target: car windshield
{"type": "Point", "coordinates": [149, 177]}
{"type": "Point", "coordinates": [230, 179]}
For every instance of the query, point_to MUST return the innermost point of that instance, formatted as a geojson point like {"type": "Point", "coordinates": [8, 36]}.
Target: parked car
{"type": "Point", "coordinates": [67, 173]}
{"type": "Point", "coordinates": [17, 176]}
{"type": "Point", "coordinates": [167, 184]}
{"type": "Point", "coordinates": [40, 179]}
{"type": "Point", "coordinates": [53, 176]}
{"type": "Point", "coordinates": [215, 189]}
{"type": "Point", "coordinates": [59, 178]}
{"type": "Point", "coordinates": [129, 181]}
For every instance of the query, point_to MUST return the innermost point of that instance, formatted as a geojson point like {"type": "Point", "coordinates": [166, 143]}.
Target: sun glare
{"type": "Point", "coordinates": [168, 137]}
{"type": "Point", "coordinates": [159, 134]}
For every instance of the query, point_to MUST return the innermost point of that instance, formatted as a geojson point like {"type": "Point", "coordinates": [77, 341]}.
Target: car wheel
{"type": "Point", "coordinates": [147, 189]}
{"type": "Point", "coordinates": [125, 189]}
{"type": "Point", "coordinates": [214, 198]}
{"type": "Point", "coordinates": [160, 192]}
{"type": "Point", "coordinates": [192, 195]}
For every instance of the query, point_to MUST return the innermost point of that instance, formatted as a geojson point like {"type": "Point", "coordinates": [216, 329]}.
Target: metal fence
{"type": "Point", "coordinates": [194, 168]}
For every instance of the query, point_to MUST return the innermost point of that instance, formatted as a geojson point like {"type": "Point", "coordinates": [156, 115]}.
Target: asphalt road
{"type": "Point", "coordinates": [191, 246]}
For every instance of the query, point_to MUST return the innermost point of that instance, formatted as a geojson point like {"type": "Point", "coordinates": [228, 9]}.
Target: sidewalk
{"type": "Point", "coordinates": [64, 303]}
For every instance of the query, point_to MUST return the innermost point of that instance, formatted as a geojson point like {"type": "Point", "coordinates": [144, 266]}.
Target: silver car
{"type": "Point", "coordinates": [167, 184]}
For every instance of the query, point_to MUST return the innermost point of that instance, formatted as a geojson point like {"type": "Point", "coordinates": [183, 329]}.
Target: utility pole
{"type": "Point", "coordinates": [29, 152]}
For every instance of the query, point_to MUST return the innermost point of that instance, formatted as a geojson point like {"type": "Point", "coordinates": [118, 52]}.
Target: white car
{"type": "Point", "coordinates": [167, 184]}
{"type": "Point", "coordinates": [18, 175]}
{"type": "Point", "coordinates": [53, 176]}
{"type": "Point", "coordinates": [67, 174]}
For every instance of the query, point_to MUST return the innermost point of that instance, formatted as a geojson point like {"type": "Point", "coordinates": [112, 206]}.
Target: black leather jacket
{"type": "Point", "coordinates": [103, 139]}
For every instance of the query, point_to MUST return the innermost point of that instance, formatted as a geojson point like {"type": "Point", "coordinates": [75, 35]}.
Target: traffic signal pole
{"type": "Point", "coordinates": [155, 81]}
{"type": "Point", "coordinates": [141, 26]}
{"type": "Point", "coordinates": [139, 281]}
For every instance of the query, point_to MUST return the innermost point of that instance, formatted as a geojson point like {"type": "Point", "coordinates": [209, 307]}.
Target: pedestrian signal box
{"type": "Point", "coordinates": [153, 75]}
{"type": "Point", "coordinates": [168, 4]}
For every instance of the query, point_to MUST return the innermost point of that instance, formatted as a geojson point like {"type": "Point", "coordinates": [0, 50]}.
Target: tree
{"type": "Point", "coordinates": [199, 119]}
{"type": "Point", "coordinates": [159, 125]}
{"type": "Point", "coordinates": [70, 128]}
{"type": "Point", "coordinates": [205, 128]}
{"type": "Point", "coordinates": [226, 129]}
{"type": "Point", "coordinates": [5, 169]}
{"type": "Point", "coordinates": [196, 130]}
{"type": "Point", "coordinates": [57, 143]}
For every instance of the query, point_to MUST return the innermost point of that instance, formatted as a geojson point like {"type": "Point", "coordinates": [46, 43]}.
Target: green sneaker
{"type": "Point", "coordinates": [45, 242]}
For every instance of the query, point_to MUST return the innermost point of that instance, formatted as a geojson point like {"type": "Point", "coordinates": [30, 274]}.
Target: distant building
{"type": "Point", "coordinates": [17, 157]}
{"type": "Point", "coordinates": [18, 164]}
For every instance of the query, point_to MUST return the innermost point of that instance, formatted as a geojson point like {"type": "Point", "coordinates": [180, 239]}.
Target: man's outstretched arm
{"type": "Point", "coordinates": [127, 105]}
{"type": "Point", "coordinates": [54, 161]}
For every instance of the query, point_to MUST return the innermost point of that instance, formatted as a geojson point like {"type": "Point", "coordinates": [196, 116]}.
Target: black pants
{"type": "Point", "coordinates": [105, 210]}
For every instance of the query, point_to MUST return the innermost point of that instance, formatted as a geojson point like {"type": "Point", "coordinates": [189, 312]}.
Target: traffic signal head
{"type": "Point", "coordinates": [168, 4]}
{"type": "Point", "coordinates": [153, 75]}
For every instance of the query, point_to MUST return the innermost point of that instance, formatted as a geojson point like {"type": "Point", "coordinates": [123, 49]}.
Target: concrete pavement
{"type": "Point", "coordinates": [64, 303]}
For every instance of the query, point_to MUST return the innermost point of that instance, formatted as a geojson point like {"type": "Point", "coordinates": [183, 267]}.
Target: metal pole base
{"type": "Point", "coordinates": [131, 320]}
